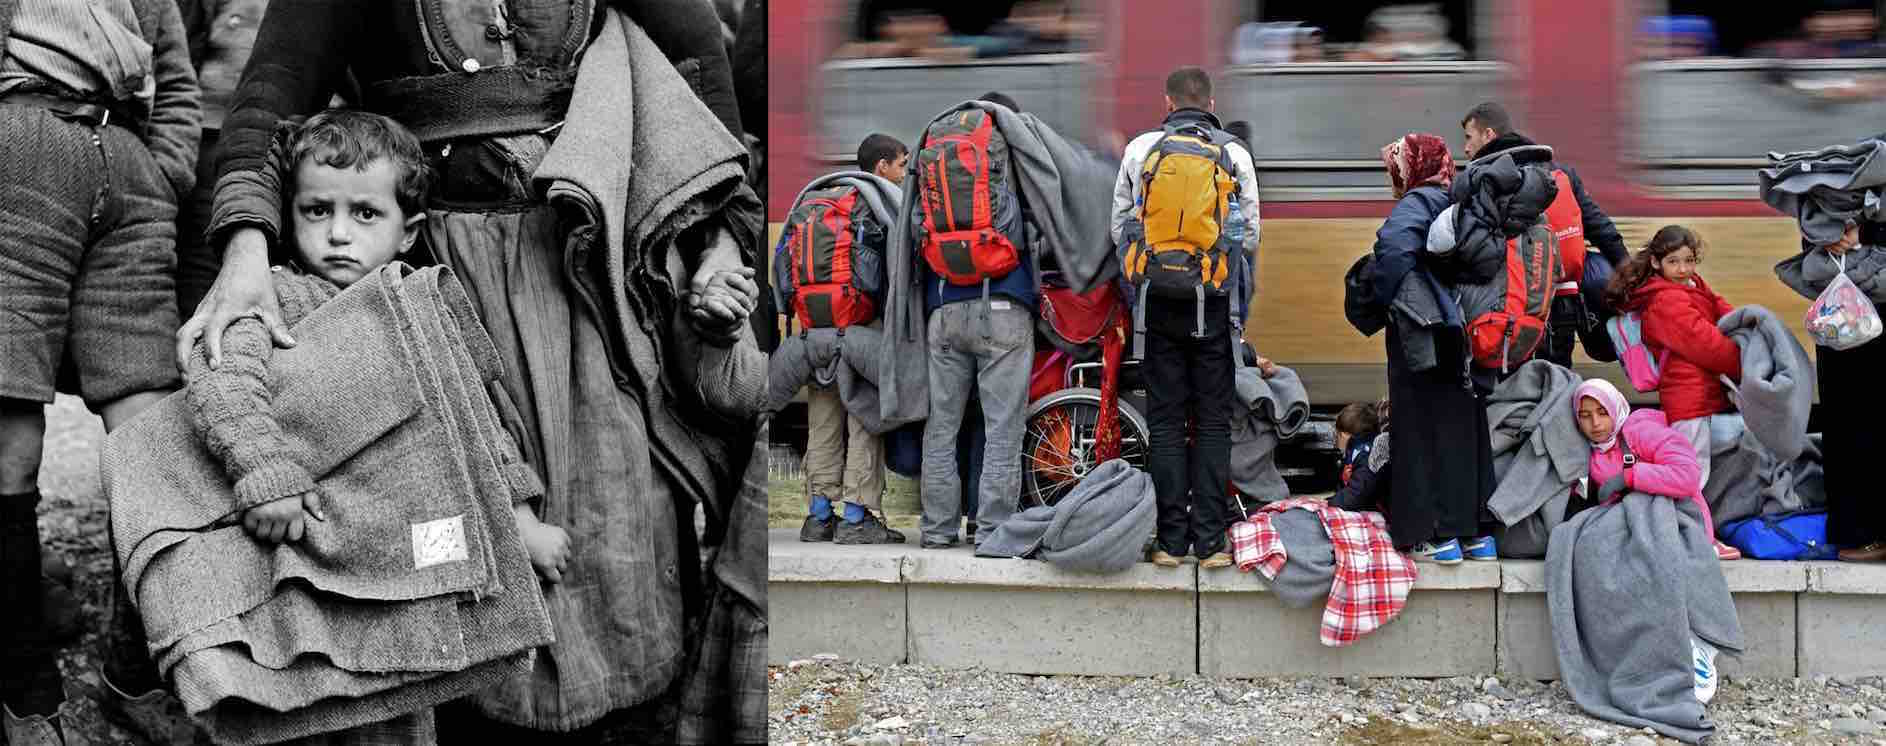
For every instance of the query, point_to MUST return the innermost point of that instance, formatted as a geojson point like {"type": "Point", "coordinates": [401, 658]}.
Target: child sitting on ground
{"type": "Point", "coordinates": [1638, 452]}
{"type": "Point", "coordinates": [1362, 437]}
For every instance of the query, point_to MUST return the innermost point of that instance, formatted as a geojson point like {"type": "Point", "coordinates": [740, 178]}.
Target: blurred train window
{"type": "Point", "coordinates": [1813, 29]}
{"type": "Point", "coordinates": [957, 31]}
{"type": "Point", "coordinates": [1282, 31]}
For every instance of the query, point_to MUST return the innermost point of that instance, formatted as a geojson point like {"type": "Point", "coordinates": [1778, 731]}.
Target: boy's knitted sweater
{"type": "Point", "coordinates": [229, 404]}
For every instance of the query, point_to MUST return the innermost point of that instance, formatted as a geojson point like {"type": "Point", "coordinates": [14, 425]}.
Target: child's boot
{"type": "Point", "coordinates": [861, 526]}
{"type": "Point", "coordinates": [34, 730]}
{"type": "Point", "coordinates": [155, 716]}
{"type": "Point", "coordinates": [819, 521]}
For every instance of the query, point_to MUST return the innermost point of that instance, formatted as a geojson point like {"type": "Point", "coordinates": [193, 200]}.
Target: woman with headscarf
{"type": "Point", "coordinates": [1442, 469]}
{"type": "Point", "coordinates": [1638, 452]}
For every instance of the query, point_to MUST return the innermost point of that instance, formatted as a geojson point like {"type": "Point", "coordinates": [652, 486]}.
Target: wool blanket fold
{"type": "Point", "coordinates": [414, 591]}
{"type": "Point", "coordinates": [1628, 585]}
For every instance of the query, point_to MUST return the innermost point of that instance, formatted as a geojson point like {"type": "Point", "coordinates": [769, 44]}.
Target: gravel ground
{"type": "Point", "coordinates": [828, 701]}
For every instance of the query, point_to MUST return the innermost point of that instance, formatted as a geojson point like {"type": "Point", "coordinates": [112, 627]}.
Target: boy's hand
{"type": "Point", "coordinates": [1265, 367]}
{"type": "Point", "coordinates": [548, 546]}
{"type": "Point", "coordinates": [283, 520]}
{"type": "Point", "coordinates": [723, 297]}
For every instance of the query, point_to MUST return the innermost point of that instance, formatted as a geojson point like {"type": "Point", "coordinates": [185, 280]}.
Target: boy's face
{"type": "Point", "coordinates": [893, 170]}
{"type": "Point", "coordinates": [347, 221]}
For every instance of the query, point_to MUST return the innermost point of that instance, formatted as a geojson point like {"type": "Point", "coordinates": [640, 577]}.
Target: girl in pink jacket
{"type": "Point", "coordinates": [1663, 462]}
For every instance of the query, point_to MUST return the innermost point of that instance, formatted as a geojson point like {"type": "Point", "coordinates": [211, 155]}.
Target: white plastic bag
{"type": "Point", "coordinates": [1842, 318]}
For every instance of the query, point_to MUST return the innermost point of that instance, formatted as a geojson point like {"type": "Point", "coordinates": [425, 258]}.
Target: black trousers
{"type": "Point", "coordinates": [1189, 377]}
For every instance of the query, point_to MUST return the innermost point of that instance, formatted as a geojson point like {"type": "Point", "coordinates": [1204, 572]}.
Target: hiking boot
{"type": "Point", "coordinates": [870, 530]}
{"type": "Point", "coordinates": [1444, 553]}
{"type": "Point", "coordinates": [939, 543]}
{"type": "Point", "coordinates": [815, 530]}
{"type": "Point", "coordinates": [1164, 559]}
{"type": "Point", "coordinates": [155, 716]}
{"type": "Point", "coordinates": [1217, 560]}
{"type": "Point", "coordinates": [1873, 552]}
{"type": "Point", "coordinates": [1482, 549]}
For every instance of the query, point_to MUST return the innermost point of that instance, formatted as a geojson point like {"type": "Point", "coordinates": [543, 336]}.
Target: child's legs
{"type": "Point", "coordinates": [824, 443]}
{"type": "Point", "coordinates": [30, 684]}
{"type": "Point", "coordinates": [1696, 431]}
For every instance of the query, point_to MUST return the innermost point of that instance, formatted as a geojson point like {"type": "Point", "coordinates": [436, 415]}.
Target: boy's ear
{"type": "Point", "coordinates": [413, 222]}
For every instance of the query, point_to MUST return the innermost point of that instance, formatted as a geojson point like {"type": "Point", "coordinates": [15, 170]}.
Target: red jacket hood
{"type": "Point", "coordinates": [1640, 298]}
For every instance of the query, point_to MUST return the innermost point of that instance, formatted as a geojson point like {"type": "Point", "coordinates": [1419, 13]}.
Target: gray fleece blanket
{"type": "Point", "coordinates": [823, 357]}
{"type": "Point", "coordinates": [1776, 392]}
{"type": "Point", "coordinates": [1810, 271]}
{"type": "Point", "coordinates": [1273, 409]}
{"type": "Point", "coordinates": [1627, 587]}
{"type": "Point", "coordinates": [1100, 526]}
{"type": "Point", "coordinates": [1746, 479]}
{"type": "Point", "coordinates": [415, 590]}
{"type": "Point", "coordinates": [1309, 559]}
{"type": "Point", "coordinates": [1823, 189]}
{"type": "Point", "coordinates": [1538, 451]}
{"type": "Point", "coordinates": [1067, 194]}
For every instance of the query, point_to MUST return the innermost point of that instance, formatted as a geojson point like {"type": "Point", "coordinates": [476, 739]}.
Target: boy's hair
{"type": "Point", "coordinates": [1638, 269]}
{"type": "Point", "coordinates": [1189, 87]}
{"type": "Point", "coordinates": [879, 147]}
{"type": "Point", "coordinates": [1490, 116]}
{"type": "Point", "coordinates": [1359, 418]}
{"type": "Point", "coordinates": [998, 97]}
{"type": "Point", "coordinates": [350, 138]}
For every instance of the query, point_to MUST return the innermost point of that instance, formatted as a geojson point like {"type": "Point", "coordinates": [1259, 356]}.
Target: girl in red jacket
{"type": "Point", "coordinates": [1661, 460]}
{"type": "Point", "coordinates": [1679, 313]}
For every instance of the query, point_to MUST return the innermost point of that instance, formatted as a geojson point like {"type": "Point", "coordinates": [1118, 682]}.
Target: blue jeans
{"type": "Point", "coordinates": [989, 346]}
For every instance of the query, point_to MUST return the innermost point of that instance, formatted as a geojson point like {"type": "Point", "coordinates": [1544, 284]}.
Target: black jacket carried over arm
{"type": "Point", "coordinates": [1599, 230]}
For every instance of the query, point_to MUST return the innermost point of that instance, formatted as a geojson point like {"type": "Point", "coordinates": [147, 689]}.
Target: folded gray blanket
{"type": "Point", "coordinates": [1309, 559]}
{"type": "Point", "coordinates": [1100, 526]}
{"type": "Point", "coordinates": [1273, 409]}
{"type": "Point", "coordinates": [416, 589]}
{"type": "Point", "coordinates": [1823, 189]}
{"type": "Point", "coordinates": [1627, 587]}
{"type": "Point", "coordinates": [1746, 479]}
{"type": "Point", "coordinates": [823, 357]}
{"type": "Point", "coordinates": [1776, 392]}
{"type": "Point", "coordinates": [1538, 450]}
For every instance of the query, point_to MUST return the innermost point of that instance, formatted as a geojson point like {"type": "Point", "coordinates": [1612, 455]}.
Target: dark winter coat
{"type": "Point", "coordinates": [1599, 230]}
{"type": "Point", "coordinates": [1410, 296]}
{"type": "Point", "coordinates": [1500, 196]}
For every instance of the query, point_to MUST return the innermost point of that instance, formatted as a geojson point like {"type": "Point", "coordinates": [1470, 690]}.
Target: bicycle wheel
{"type": "Point", "coordinates": [1058, 443]}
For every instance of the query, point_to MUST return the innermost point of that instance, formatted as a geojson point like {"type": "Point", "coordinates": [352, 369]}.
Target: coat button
{"type": "Point", "coordinates": [494, 33]}
{"type": "Point", "coordinates": [470, 66]}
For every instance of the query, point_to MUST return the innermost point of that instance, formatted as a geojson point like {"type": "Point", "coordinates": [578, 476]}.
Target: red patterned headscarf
{"type": "Point", "coordinates": [1418, 159]}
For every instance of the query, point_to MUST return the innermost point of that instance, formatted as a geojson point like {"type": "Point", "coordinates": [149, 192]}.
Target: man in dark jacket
{"type": "Point", "coordinates": [1489, 131]}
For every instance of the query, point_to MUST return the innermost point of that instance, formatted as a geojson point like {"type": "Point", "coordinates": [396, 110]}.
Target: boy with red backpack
{"type": "Point", "coordinates": [1185, 209]}
{"type": "Point", "coordinates": [830, 266]}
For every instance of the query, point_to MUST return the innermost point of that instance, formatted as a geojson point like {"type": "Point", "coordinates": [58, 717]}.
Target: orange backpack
{"type": "Point", "coordinates": [1505, 336]}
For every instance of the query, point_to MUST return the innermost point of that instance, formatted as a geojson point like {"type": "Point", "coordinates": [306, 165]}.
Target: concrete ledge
{"type": "Point", "coordinates": [792, 561]}
{"type": "Point", "coordinates": [1743, 576]}
{"type": "Point", "coordinates": [848, 601]}
{"type": "Point", "coordinates": [1839, 630]}
{"type": "Point", "coordinates": [961, 567]}
{"type": "Point", "coordinates": [1429, 577]}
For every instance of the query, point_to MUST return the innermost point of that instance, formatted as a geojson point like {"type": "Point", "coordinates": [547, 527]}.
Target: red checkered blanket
{"type": "Point", "coordinates": [1372, 579]}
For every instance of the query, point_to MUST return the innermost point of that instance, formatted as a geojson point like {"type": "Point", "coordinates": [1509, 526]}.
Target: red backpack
{"type": "Point", "coordinates": [1568, 226]}
{"type": "Point", "coordinates": [1507, 334]}
{"type": "Point", "coordinates": [834, 276]}
{"type": "Point", "coordinates": [962, 171]}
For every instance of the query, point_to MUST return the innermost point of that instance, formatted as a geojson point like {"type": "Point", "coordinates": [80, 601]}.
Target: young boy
{"type": "Point", "coordinates": [1190, 330]}
{"type": "Point", "coordinates": [99, 104]}
{"type": "Point", "coordinates": [842, 458]}
{"type": "Point", "coordinates": [355, 185]}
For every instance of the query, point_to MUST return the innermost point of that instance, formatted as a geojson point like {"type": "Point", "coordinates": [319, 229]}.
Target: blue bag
{"type": "Point", "coordinates": [1801, 535]}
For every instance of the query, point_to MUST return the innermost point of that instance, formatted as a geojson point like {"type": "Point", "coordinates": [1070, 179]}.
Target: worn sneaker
{"type": "Point", "coordinates": [155, 716]}
{"type": "Point", "coordinates": [939, 543]}
{"type": "Point", "coordinates": [816, 530]}
{"type": "Point", "coordinates": [1727, 553]}
{"type": "Point", "coordinates": [1480, 550]}
{"type": "Point", "coordinates": [1444, 553]}
{"type": "Point", "coordinates": [1163, 559]}
{"type": "Point", "coordinates": [867, 531]}
{"type": "Point", "coordinates": [1220, 559]}
{"type": "Point", "coordinates": [33, 730]}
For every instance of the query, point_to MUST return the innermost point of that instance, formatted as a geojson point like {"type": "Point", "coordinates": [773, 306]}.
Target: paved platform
{"type": "Point", "coordinates": [902, 604]}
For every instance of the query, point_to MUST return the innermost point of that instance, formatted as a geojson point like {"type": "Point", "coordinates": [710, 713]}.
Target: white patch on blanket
{"type": "Point", "coordinates": [438, 542]}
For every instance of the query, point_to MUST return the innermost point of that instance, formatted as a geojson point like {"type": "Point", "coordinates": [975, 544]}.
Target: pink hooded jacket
{"type": "Point", "coordinates": [1666, 463]}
